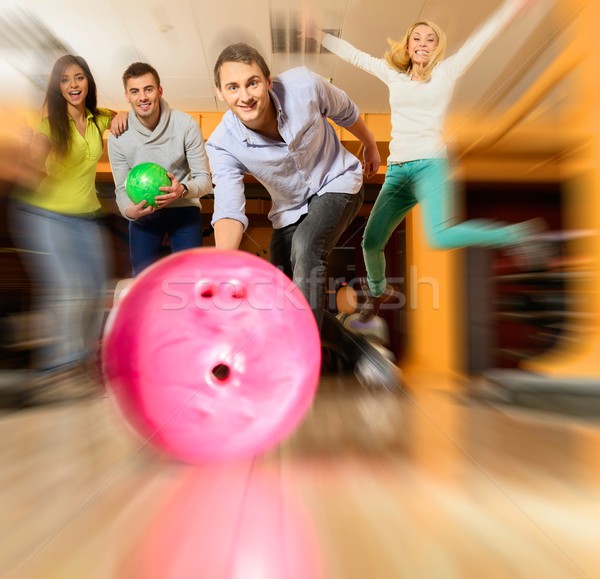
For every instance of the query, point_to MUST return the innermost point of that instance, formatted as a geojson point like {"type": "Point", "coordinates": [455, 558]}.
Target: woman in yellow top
{"type": "Point", "coordinates": [54, 212]}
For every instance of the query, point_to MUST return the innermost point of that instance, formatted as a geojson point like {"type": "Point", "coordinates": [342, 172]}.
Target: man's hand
{"type": "Point", "coordinates": [173, 192]}
{"type": "Point", "coordinates": [140, 210]}
{"type": "Point", "coordinates": [371, 157]}
{"type": "Point", "coordinates": [371, 160]}
{"type": "Point", "coordinates": [118, 125]}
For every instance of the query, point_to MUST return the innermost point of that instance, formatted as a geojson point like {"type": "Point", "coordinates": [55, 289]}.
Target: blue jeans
{"type": "Point", "coordinates": [302, 249]}
{"type": "Point", "coordinates": [427, 182]}
{"type": "Point", "coordinates": [183, 225]}
{"type": "Point", "coordinates": [65, 259]}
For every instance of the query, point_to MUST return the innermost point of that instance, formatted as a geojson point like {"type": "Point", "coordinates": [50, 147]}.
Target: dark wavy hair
{"type": "Point", "coordinates": [56, 105]}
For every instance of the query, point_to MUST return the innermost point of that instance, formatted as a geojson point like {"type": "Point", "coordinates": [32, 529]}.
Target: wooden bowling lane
{"type": "Point", "coordinates": [426, 484]}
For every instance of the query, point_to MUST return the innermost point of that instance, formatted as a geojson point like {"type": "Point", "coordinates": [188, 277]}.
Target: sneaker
{"type": "Point", "coordinates": [375, 371]}
{"type": "Point", "coordinates": [372, 303]}
{"type": "Point", "coordinates": [532, 252]}
{"type": "Point", "coordinates": [532, 228]}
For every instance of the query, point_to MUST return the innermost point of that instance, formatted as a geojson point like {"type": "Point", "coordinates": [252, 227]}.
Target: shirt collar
{"type": "Point", "coordinates": [246, 133]}
{"type": "Point", "coordinates": [277, 104]}
{"type": "Point", "coordinates": [250, 136]}
{"type": "Point", "coordinates": [88, 115]}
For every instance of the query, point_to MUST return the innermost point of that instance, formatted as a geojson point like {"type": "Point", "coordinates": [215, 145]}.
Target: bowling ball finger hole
{"type": "Point", "coordinates": [238, 293]}
{"type": "Point", "coordinates": [229, 290]}
{"type": "Point", "coordinates": [221, 373]}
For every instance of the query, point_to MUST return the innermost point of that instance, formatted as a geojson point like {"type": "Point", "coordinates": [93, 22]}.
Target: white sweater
{"type": "Point", "coordinates": [418, 109]}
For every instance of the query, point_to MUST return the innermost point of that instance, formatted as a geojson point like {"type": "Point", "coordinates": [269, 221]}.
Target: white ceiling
{"type": "Point", "coordinates": [182, 39]}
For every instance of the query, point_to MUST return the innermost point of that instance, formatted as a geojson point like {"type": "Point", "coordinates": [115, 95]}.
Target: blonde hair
{"type": "Point", "coordinates": [398, 58]}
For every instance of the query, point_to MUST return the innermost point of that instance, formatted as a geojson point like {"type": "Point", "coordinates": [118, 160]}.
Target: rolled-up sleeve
{"type": "Point", "coordinates": [228, 180]}
{"type": "Point", "coordinates": [335, 103]}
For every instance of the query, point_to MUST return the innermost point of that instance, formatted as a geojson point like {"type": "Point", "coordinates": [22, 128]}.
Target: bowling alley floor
{"type": "Point", "coordinates": [426, 484]}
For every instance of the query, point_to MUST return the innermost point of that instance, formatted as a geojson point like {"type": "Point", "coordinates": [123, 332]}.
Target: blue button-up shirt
{"type": "Point", "coordinates": [310, 160]}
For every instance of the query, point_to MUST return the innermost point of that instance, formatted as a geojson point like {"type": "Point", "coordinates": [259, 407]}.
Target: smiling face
{"type": "Point", "coordinates": [245, 90]}
{"type": "Point", "coordinates": [143, 94]}
{"type": "Point", "coordinates": [74, 86]}
{"type": "Point", "coordinates": [421, 44]}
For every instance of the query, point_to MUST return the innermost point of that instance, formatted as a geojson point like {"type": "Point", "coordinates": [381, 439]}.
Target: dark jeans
{"type": "Point", "coordinates": [183, 225]}
{"type": "Point", "coordinates": [302, 249]}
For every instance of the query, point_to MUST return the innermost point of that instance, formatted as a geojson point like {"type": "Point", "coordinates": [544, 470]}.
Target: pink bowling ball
{"type": "Point", "coordinates": [212, 355]}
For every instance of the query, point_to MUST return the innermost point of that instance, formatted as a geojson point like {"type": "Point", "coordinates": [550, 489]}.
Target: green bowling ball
{"type": "Point", "coordinates": [143, 182]}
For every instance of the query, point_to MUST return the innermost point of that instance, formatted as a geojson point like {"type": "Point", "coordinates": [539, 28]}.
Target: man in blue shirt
{"type": "Point", "coordinates": [277, 130]}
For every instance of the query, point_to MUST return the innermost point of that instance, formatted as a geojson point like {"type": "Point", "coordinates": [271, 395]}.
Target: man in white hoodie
{"type": "Point", "coordinates": [173, 140]}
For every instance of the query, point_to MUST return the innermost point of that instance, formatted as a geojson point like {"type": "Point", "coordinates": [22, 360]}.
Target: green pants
{"type": "Point", "coordinates": [426, 182]}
